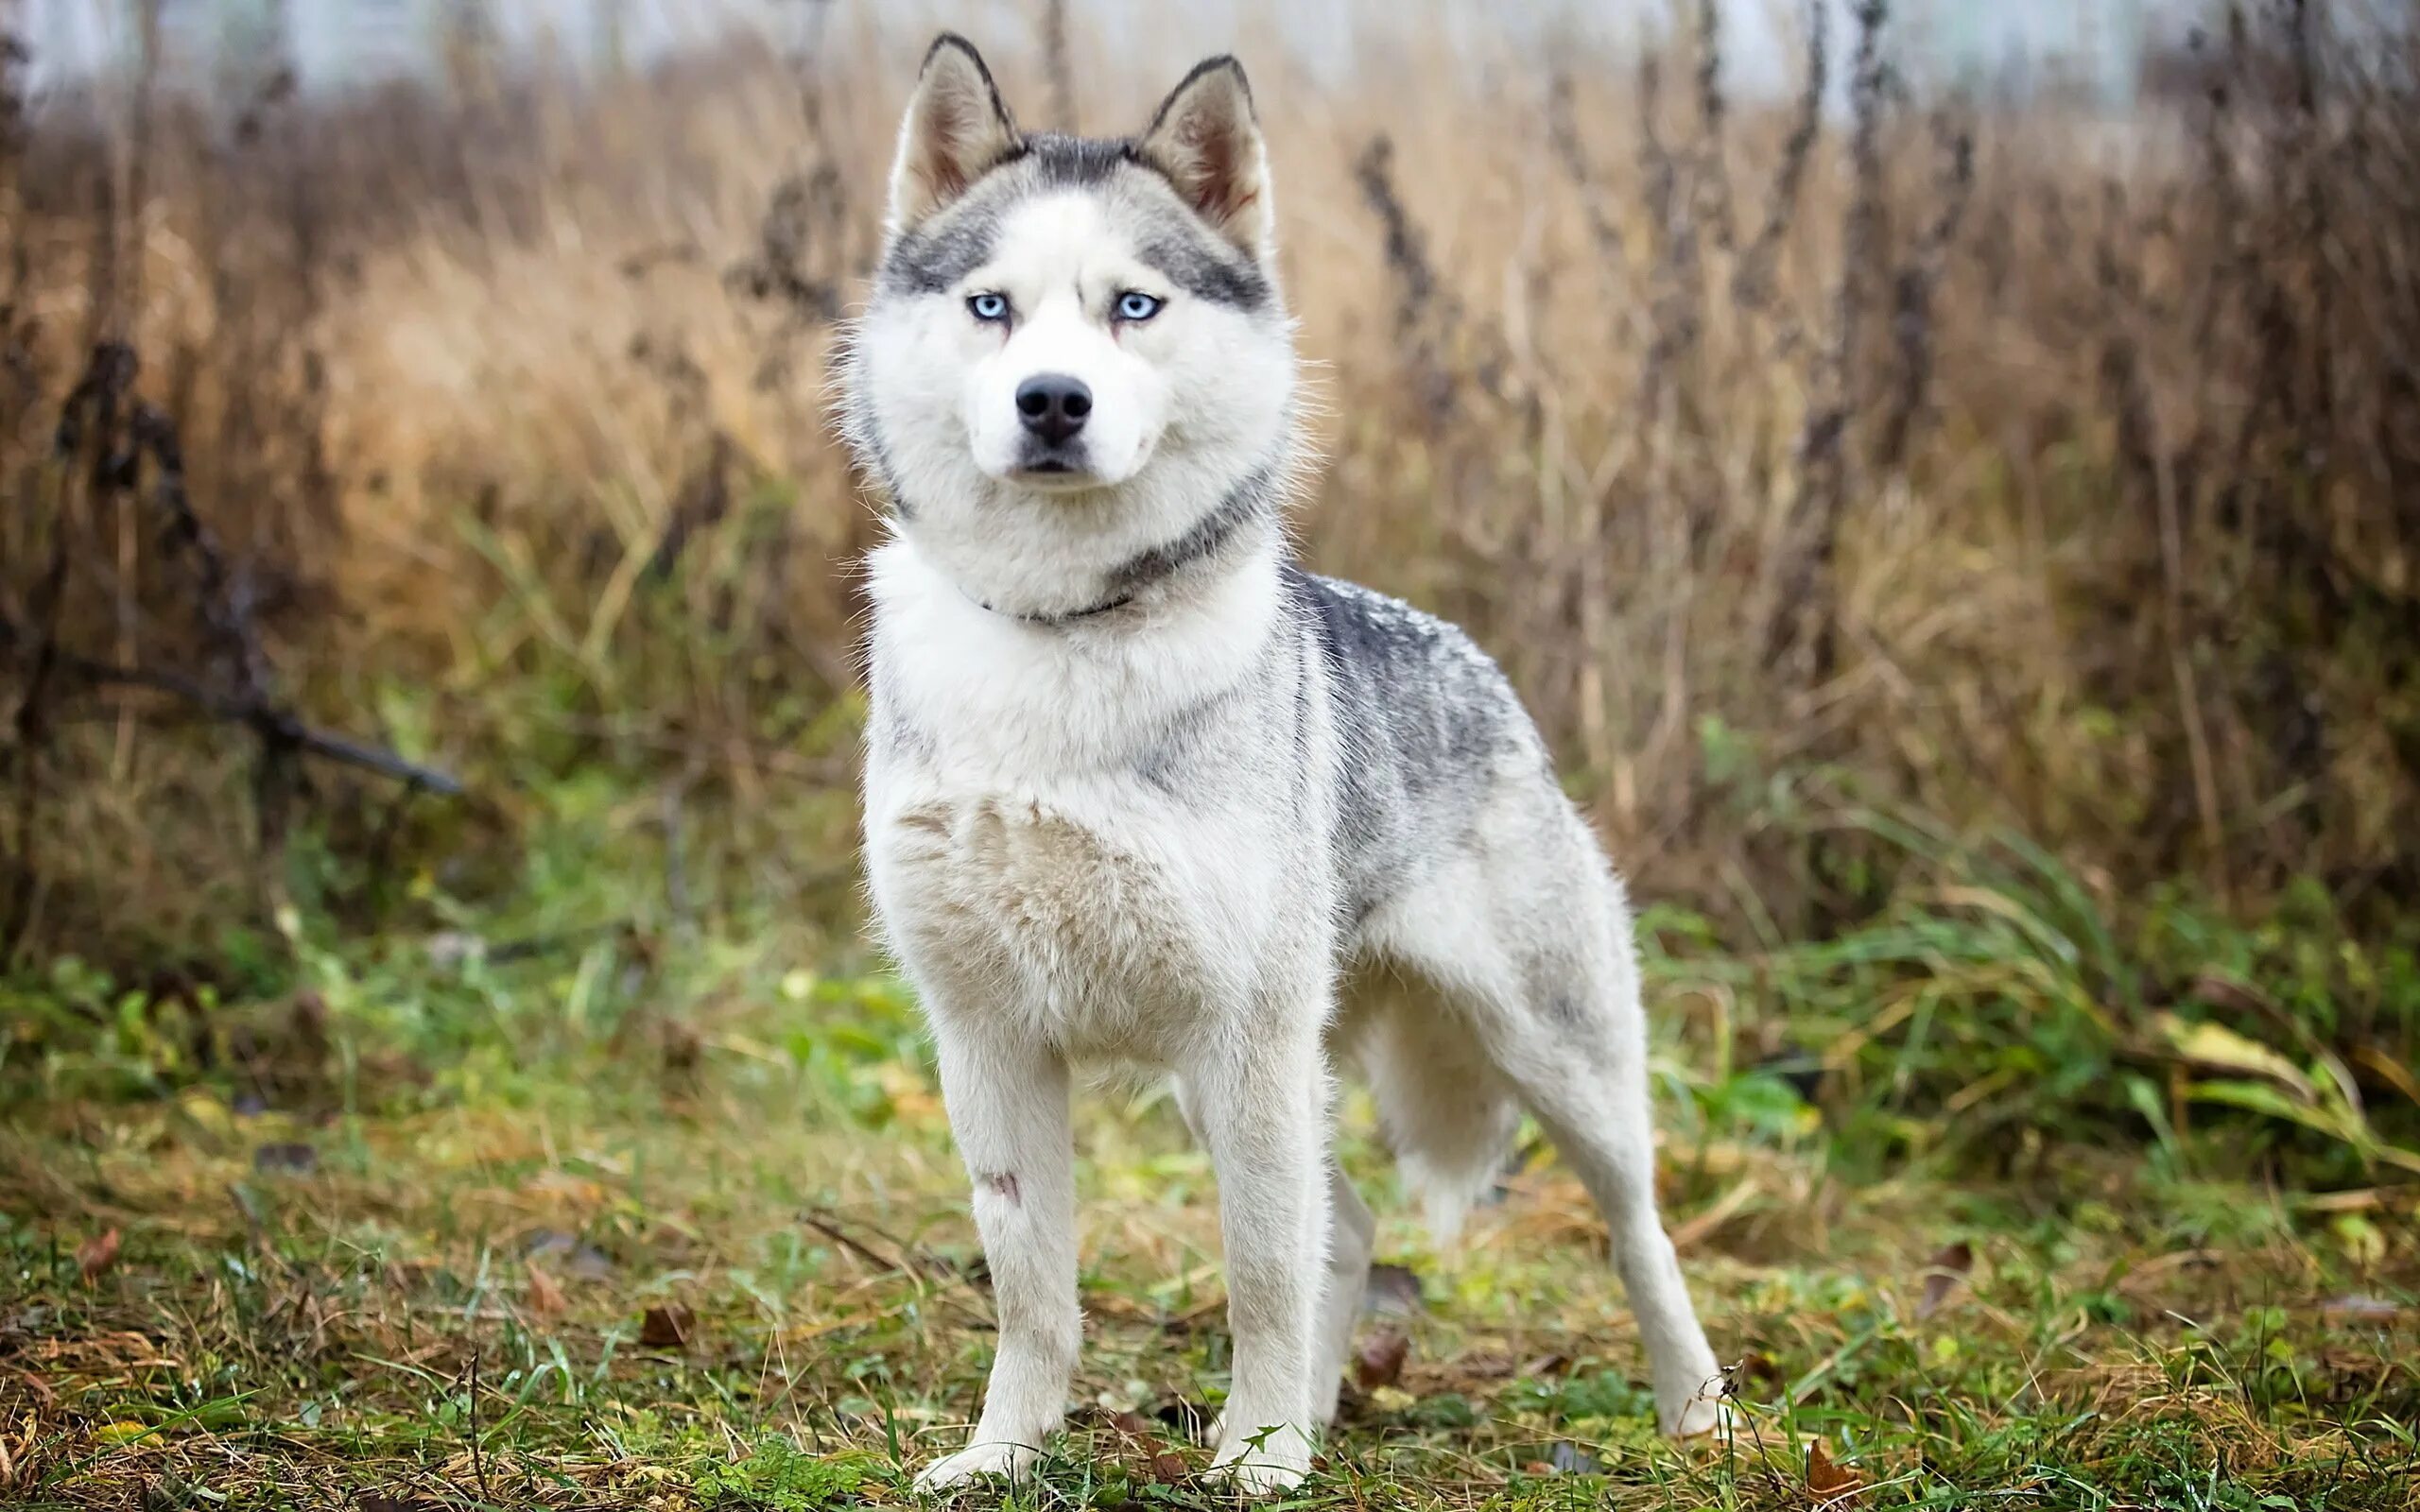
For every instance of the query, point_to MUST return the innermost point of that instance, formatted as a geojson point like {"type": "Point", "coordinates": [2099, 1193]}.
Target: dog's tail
{"type": "Point", "coordinates": [1448, 1114]}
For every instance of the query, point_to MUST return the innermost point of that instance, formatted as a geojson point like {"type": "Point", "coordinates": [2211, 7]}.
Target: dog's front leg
{"type": "Point", "coordinates": [1259, 1102]}
{"type": "Point", "coordinates": [1008, 1107]}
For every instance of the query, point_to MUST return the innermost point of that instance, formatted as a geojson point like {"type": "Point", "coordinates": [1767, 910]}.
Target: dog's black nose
{"type": "Point", "coordinates": [1054, 406]}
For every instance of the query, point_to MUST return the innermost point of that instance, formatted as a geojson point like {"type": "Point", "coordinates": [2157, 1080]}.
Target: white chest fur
{"type": "Point", "coordinates": [1022, 863]}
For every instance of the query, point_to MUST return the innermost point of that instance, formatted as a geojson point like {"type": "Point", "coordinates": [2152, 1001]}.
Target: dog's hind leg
{"type": "Point", "coordinates": [1589, 1093]}
{"type": "Point", "coordinates": [1446, 1111]}
{"type": "Point", "coordinates": [1527, 938]}
{"type": "Point", "coordinates": [1352, 1237]}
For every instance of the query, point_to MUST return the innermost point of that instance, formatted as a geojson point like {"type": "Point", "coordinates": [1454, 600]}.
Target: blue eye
{"type": "Point", "coordinates": [1135, 305]}
{"type": "Point", "coordinates": [989, 306]}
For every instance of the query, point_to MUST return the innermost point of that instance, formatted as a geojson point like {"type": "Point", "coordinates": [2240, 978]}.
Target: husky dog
{"type": "Point", "coordinates": [1142, 791]}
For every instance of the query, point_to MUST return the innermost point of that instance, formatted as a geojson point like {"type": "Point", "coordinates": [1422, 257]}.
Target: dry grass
{"type": "Point", "coordinates": [2041, 473]}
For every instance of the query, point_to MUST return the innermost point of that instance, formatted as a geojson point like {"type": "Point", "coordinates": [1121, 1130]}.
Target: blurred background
{"type": "Point", "coordinates": [1999, 415]}
{"type": "Point", "coordinates": [1946, 475]}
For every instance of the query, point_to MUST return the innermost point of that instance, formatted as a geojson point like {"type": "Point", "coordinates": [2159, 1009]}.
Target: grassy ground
{"type": "Point", "coordinates": [517, 1212]}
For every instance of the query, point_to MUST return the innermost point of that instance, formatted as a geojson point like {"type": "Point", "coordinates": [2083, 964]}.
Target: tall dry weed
{"type": "Point", "coordinates": [2031, 467]}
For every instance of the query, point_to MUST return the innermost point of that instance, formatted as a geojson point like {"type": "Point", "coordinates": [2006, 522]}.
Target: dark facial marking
{"type": "Point", "coordinates": [931, 258]}
{"type": "Point", "coordinates": [1076, 162]}
{"type": "Point", "coordinates": [1193, 263]}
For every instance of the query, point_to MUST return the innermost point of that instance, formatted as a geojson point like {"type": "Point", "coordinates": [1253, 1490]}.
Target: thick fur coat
{"type": "Point", "coordinates": [1142, 791]}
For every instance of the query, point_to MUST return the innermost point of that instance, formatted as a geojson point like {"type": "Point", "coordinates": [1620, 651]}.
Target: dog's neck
{"type": "Point", "coordinates": [1013, 696]}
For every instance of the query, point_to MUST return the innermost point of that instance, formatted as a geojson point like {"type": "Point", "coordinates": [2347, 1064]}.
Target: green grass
{"type": "Point", "coordinates": [414, 1221]}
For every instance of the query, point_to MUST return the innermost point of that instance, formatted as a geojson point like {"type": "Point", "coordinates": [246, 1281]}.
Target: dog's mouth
{"type": "Point", "coordinates": [1070, 467]}
{"type": "Point", "coordinates": [1050, 474]}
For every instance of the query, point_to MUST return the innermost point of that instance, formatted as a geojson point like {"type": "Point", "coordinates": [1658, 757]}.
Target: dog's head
{"type": "Point", "coordinates": [1075, 356]}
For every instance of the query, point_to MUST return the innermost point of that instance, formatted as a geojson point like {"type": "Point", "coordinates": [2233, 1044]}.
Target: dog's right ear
{"type": "Point", "coordinates": [957, 127]}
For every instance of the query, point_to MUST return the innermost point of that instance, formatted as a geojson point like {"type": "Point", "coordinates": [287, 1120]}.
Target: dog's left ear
{"type": "Point", "coordinates": [1207, 140]}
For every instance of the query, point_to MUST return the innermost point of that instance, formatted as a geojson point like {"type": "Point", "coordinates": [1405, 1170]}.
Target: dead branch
{"type": "Point", "coordinates": [277, 730]}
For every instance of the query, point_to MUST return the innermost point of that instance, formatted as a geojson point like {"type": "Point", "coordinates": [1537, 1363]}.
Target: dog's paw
{"type": "Point", "coordinates": [1263, 1462]}
{"type": "Point", "coordinates": [977, 1462]}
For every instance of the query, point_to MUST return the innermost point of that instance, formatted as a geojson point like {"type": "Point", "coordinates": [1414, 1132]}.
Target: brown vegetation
{"type": "Point", "coordinates": [2037, 474]}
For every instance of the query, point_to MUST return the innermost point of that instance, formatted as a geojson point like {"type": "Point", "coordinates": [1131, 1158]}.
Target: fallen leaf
{"type": "Point", "coordinates": [372, 1501]}
{"type": "Point", "coordinates": [286, 1159]}
{"type": "Point", "coordinates": [1829, 1482]}
{"type": "Point", "coordinates": [1570, 1459]}
{"type": "Point", "coordinates": [1379, 1361]}
{"type": "Point", "coordinates": [1548, 1364]}
{"type": "Point", "coordinates": [1943, 1275]}
{"type": "Point", "coordinates": [95, 1256]}
{"type": "Point", "coordinates": [1393, 1398]}
{"type": "Point", "coordinates": [545, 1293]}
{"type": "Point", "coordinates": [668, 1327]}
{"type": "Point", "coordinates": [1169, 1466]}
